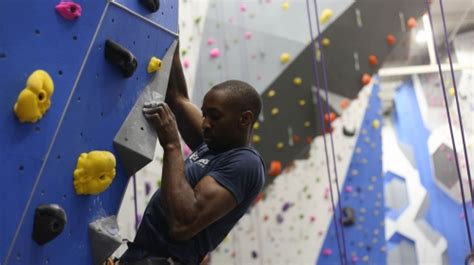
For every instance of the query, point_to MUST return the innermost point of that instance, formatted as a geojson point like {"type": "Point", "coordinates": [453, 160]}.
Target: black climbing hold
{"type": "Point", "coordinates": [348, 216]}
{"type": "Point", "coordinates": [121, 57]}
{"type": "Point", "coordinates": [49, 223]}
{"type": "Point", "coordinates": [151, 5]}
{"type": "Point", "coordinates": [348, 133]}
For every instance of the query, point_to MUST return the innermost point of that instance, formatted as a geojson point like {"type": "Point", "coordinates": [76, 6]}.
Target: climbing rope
{"type": "Point", "coordinates": [466, 219]}
{"type": "Point", "coordinates": [341, 247]}
{"type": "Point", "coordinates": [448, 49]}
{"type": "Point", "coordinates": [135, 202]}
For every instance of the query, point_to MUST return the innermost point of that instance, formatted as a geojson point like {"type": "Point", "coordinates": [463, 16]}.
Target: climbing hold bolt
{"type": "Point", "coordinates": [49, 223]}
{"type": "Point", "coordinates": [35, 99]}
{"type": "Point", "coordinates": [69, 10]}
{"type": "Point", "coordinates": [151, 5]}
{"type": "Point", "coordinates": [121, 57]}
{"type": "Point", "coordinates": [325, 16]}
{"type": "Point", "coordinates": [94, 172]}
{"type": "Point", "coordinates": [154, 65]}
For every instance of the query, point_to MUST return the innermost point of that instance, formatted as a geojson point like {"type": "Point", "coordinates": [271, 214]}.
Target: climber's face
{"type": "Point", "coordinates": [221, 123]}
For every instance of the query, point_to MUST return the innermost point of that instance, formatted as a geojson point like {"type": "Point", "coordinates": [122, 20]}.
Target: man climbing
{"type": "Point", "coordinates": [202, 198]}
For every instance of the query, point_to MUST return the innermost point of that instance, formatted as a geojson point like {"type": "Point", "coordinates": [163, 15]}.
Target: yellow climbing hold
{"type": "Point", "coordinates": [280, 145]}
{"type": "Point", "coordinates": [297, 81]}
{"type": "Point", "coordinates": [285, 5]}
{"type": "Point", "coordinates": [284, 57]}
{"type": "Point", "coordinates": [153, 65]}
{"type": "Point", "coordinates": [326, 42]}
{"type": "Point", "coordinates": [325, 16]}
{"type": "Point", "coordinates": [307, 124]}
{"type": "Point", "coordinates": [271, 93]}
{"type": "Point", "coordinates": [256, 125]}
{"type": "Point", "coordinates": [275, 111]}
{"type": "Point", "coordinates": [94, 172]}
{"type": "Point", "coordinates": [256, 138]}
{"type": "Point", "coordinates": [376, 124]}
{"type": "Point", "coordinates": [302, 102]}
{"type": "Point", "coordinates": [35, 99]}
{"type": "Point", "coordinates": [451, 91]}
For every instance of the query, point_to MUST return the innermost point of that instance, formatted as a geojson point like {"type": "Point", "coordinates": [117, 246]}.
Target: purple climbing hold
{"type": "Point", "coordinates": [69, 10]}
{"type": "Point", "coordinates": [254, 254]}
{"type": "Point", "coordinates": [279, 218]}
{"type": "Point", "coordinates": [286, 206]}
{"type": "Point", "coordinates": [147, 188]}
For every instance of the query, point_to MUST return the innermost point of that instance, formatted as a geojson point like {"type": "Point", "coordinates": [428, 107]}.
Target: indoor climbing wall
{"type": "Point", "coordinates": [290, 223]}
{"type": "Point", "coordinates": [267, 44]}
{"type": "Point", "coordinates": [96, 53]}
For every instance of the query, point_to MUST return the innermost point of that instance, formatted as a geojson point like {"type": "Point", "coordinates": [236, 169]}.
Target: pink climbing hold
{"type": "Point", "coordinates": [327, 251]}
{"type": "Point", "coordinates": [248, 35]}
{"type": "Point", "coordinates": [69, 10]}
{"type": "Point", "coordinates": [312, 219]}
{"type": "Point", "coordinates": [186, 150]}
{"type": "Point", "coordinates": [211, 41]}
{"type": "Point", "coordinates": [215, 53]}
{"type": "Point", "coordinates": [354, 259]}
{"type": "Point", "coordinates": [186, 63]}
{"type": "Point", "coordinates": [348, 189]}
{"type": "Point", "coordinates": [243, 7]}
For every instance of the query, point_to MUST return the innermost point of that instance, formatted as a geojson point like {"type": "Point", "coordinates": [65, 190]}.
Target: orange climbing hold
{"type": "Point", "coordinates": [344, 103]}
{"type": "Point", "coordinates": [373, 60]}
{"type": "Point", "coordinates": [411, 23]}
{"type": "Point", "coordinates": [329, 117]}
{"type": "Point", "coordinates": [275, 168]}
{"type": "Point", "coordinates": [365, 80]}
{"type": "Point", "coordinates": [391, 39]}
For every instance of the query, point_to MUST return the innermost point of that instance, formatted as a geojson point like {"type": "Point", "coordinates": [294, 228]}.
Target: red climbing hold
{"type": "Point", "coordinates": [373, 60]}
{"type": "Point", "coordinates": [329, 117]}
{"type": "Point", "coordinates": [365, 79]}
{"type": "Point", "coordinates": [275, 168]}
{"type": "Point", "coordinates": [411, 23]}
{"type": "Point", "coordinates": [391, 40]}
{"type": "Point", "coordinates": [69, 10]}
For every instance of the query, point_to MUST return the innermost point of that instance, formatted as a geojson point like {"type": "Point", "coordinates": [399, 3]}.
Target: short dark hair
{"type": "Point", "coordinates": [242, 94]}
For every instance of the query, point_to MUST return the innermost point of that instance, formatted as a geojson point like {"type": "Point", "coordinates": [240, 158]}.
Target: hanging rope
{"type": "Point", "coordinates": [466, 219]}
{"type": "Point", "coordinates": [342, 254]}
{"type": "Point", "coordinates": [135, 202]}
{"type": "Point", "coordinates": [461, 127]}
{"type": "Point", "coordinates": [326, 87]}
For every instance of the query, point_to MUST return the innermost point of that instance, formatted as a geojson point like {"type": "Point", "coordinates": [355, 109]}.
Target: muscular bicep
{"type": "Point", "coordinates": [213, 201]}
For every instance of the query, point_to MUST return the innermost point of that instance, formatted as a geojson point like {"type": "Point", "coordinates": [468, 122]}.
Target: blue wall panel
{"type": "Point", "coordinates": [34, 36]}
{"type": "Point", "coordinates": [443, 212]}
{"type": "Point", "coordinates": [99, 104]}
{"type": "Point", "coordinates": [366, 238]}
{"type": "Point", "coordinates": [166, 16]}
